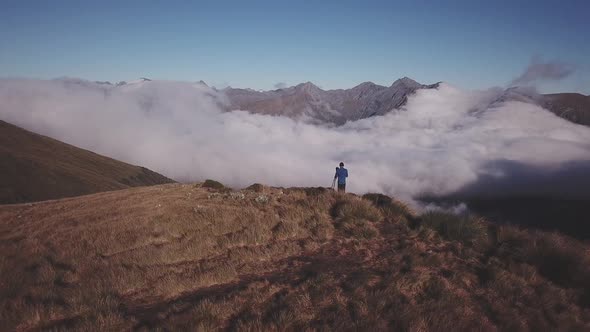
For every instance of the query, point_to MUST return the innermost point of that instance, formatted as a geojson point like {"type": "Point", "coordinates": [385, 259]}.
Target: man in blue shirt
{"type": "Point", "coordinates": [341, 174]}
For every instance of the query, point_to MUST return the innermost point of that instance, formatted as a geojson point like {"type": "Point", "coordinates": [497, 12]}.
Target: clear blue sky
{"type": "Point", "coordinates": [335, 44]}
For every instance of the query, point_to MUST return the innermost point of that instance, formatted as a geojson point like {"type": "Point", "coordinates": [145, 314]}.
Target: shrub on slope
{"type": "Point", "coordinates": [213, 185]}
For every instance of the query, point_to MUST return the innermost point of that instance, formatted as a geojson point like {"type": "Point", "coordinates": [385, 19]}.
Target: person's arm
{"type": "Point", "coordinates": [336, 175]}
{"type": "Point", "coordinates": [346, 174]}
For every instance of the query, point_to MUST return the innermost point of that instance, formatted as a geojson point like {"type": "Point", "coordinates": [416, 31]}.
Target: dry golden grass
{"type": "Point", "coordinates": [185, 257]}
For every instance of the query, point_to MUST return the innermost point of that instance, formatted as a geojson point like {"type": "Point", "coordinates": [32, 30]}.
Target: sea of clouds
{"type": "Point", "coordinates": [442, 141]}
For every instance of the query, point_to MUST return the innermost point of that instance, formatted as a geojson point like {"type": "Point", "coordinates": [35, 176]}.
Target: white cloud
{"type": "Point", "coordinates": [437, 144]}
{"type": "Point", "coordinates": [538, 70]}
{"type": "Point", "coordinates": [280, 85]}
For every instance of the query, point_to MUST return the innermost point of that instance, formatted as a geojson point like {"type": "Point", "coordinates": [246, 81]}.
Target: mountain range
{"type": "Point", "coordinates": [309, 103]}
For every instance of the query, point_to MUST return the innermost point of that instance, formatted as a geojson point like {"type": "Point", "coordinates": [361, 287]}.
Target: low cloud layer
{"type": "Point", "coordinates": [280, 85]}
{"type": "Point", "coordinates": [437, 145]}
{"type": "Point", "coordinates": [538, 70]}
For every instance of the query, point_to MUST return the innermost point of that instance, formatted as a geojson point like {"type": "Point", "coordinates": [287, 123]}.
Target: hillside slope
{"type": "Point", "coordinates": [574, 107]}
{"type": "Point", "coordinates": [35, 167]}
{"type": "Point", "coordinates": [189, 257]}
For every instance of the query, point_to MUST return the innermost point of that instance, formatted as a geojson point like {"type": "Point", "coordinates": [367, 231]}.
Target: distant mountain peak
{"type": "Point", "coordinates": [406, 81]}
{"type": "Point", "coordinates": [307, 84]}
{"type": "Point", "coordinates": [201, 82]}
{"type": "Point", "coordinates": [366, 84]}
{"type": "Point", "coordinates": [365, 89]}
{"type": "Point", "coordinates": [139, 80]}
{"type": "Point", "coordinates": [307, 87]}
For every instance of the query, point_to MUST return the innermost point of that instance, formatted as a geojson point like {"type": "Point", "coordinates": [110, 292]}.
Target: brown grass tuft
{"type": "Point", "coordinates": [466, 229]}
{"type": "Point", "coordinates": [392, 210]}
{"type": "Point", "coordinates": [355, 217]}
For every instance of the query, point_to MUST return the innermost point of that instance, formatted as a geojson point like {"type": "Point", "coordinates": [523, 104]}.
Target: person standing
{"type": "Point", "coordinates": [341, 175]}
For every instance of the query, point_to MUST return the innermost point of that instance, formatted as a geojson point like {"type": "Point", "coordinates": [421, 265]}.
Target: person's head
{"type": "Point", "coordinates": [341, 164]}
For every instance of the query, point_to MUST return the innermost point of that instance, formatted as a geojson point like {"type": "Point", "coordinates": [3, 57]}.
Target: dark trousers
{"type": "Point", "coordinates": [342, 187]}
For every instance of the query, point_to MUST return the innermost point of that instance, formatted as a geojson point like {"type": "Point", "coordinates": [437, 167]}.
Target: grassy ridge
{"type": "Point", "coordinates": [186, 257]}
{"type": "Point", "coordinates": [35, 167]}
